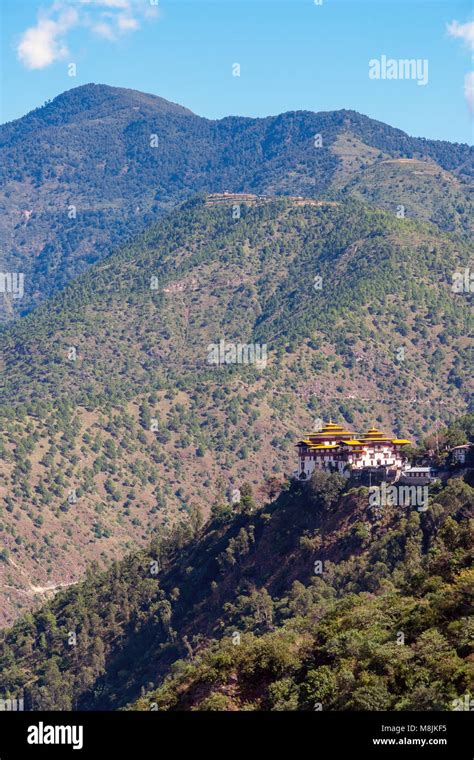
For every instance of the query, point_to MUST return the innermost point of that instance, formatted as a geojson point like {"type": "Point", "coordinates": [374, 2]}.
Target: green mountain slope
{"type": "Point", "coordinates": [315, 601]}
{"type": "Point", "coordinates": [114, 422]}
{"type": "Point", "coordinates": [88, 170]}
{"type": "Point", "coordinates": [417, 189]}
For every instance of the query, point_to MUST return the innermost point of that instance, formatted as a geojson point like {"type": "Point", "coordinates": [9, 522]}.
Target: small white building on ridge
{"type": "Point", "coordinates": [460, 454]}
{"type": "Point", "coordinates": [337, 450]}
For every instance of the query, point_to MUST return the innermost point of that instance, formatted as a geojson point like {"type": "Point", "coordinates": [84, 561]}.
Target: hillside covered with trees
{"type": "Point", "coordinates": [316, 600]}
{"type": "Point", "coordinates": [114, 422]}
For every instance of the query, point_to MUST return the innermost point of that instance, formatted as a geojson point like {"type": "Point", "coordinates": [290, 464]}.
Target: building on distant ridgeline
{"type": "Point", "coordinates": [337, 450]}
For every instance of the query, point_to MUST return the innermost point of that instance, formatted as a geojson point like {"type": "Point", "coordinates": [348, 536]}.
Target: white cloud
{"type": "Point", "coordinates": [127, 23]}
{"type": "Point", "coordinates": [120, 4]}
{"type": "Point", "coordinates": [462, 31]}
{"type": "Point", "coordinates": [45, 43]}
{"type": "Point", "coordinates": [103, 30]}
{"type": "Point", "coordinates": [465, 32]}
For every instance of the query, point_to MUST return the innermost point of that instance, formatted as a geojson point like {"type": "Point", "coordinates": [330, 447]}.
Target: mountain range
{"type": "Point", "coordinates": [149, 237]}
{"type": "Point", "coordinates": [85, 172]}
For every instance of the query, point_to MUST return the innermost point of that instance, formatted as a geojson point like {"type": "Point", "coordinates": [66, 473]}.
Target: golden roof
{"type": "Point", "coordinates": [375, 435]}
{"type": "Point", "coordinates": [332, 431]}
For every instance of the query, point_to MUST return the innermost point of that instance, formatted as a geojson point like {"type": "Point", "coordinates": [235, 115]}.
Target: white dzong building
{"type": "Point", "coordinates": [338, 450]}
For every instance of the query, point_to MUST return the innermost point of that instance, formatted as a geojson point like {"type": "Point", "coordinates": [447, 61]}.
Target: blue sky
{"type": "Point", "coordinates": [293, 54]}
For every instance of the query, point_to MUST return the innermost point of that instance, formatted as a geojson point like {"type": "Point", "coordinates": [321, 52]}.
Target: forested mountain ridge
{"type": "Point", "coordinates": [314, 601]}
{"type": "Point", "coordinates": [114, 422]}
{"type": "Point", "coordinates": [95, 165]}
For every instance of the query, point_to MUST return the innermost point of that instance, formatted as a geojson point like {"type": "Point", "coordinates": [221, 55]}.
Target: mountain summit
{"type": "Point", "coordinates": [97, 101]}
